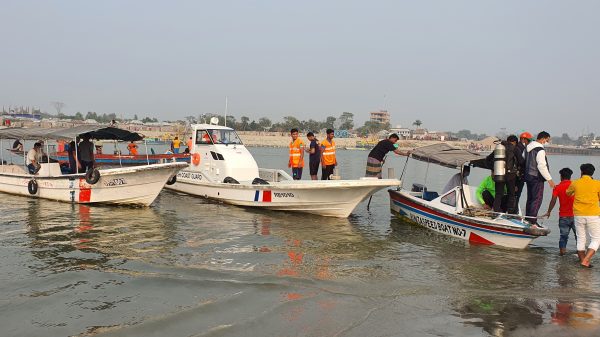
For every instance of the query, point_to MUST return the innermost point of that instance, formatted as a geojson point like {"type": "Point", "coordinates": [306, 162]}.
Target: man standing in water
{"type": "Point", "coordinates": [586, 191]}
{"type": "Point", "coordinates": [328, 159]}
{"type": "Point", "coordinates": [536, 174]}
{"type": "Point", "coordinates": [566, 223]}
{"type": "Point", "coordinates": [296, 161]}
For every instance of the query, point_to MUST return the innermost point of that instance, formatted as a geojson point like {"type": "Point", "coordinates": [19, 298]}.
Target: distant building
{"type": "Point", "coordinates": [381, 116]}
{"type": "Point", "coordinates": [404, 133]}
{"type": "Point", "coordinates": [419, 134]}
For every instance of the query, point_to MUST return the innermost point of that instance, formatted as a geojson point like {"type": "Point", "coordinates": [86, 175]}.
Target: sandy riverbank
{"type": "Point", "coordinates": [272, 139]}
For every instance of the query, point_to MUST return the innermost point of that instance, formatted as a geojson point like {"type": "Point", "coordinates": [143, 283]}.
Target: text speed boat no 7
{"type": "Point", "coordinates": [223, 169]}
{"type": "Point", "coordinates": [135, 185]}
{"type": "Point", "coordinates": [456, 212]}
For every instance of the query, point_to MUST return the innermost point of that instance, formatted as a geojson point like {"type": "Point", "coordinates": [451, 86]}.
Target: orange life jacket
{"type": "Point", "coordinates": [296, 148]}
{"type": "Point", "coordinates": [132, 149]}
{"type": "Point", "coordinates": [328, 152]}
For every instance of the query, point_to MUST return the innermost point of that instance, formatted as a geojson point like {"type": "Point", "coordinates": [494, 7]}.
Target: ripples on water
{"type": "Point", "coordinates": [187, 267]}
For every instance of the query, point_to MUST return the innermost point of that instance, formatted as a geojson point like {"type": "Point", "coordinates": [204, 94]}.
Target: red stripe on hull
{"type": "Point", "coordinates": [266, 196]}
{"type": "Point", "coordinates": [85, 191]}
{"type": "Point", "coordinates": [474, 238]}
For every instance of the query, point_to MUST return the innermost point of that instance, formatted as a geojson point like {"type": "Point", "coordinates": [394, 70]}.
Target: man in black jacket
{"type": "Point", "coordinates": [521, 148]}
{"type": "Point", "coordinates": [510, 179]}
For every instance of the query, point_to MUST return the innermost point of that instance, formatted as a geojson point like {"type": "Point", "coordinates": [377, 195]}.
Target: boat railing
{"type": "Point", "coordinates": [273, 175]}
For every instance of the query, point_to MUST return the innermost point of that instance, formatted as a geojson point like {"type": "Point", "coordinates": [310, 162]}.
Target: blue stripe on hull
{"type": "Point", "coordinates": [435, 217]}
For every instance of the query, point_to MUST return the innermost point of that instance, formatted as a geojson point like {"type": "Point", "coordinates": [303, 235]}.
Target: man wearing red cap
{"type": "Point", "coordinates": [524, 140]}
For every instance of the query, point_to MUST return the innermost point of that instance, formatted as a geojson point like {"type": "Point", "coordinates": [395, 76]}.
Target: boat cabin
{"type": "Point", "coordinates": [218, 152]}
{"type": "Point", "coordinates": [453, 201]}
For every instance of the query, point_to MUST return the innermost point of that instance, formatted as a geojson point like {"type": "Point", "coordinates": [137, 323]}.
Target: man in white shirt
{"type": "Point", "coordinates": [537, 172]}
{"type": "Point", "coordinates": [457, 181]}
{"type": "Point", "coordinates": [34, 156]}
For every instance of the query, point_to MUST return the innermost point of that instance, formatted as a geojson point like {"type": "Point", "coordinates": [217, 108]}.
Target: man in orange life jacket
{"type": "Point", "coordinates": [328, 160]}
{"type": "Point", "coordinates": [296, 161]}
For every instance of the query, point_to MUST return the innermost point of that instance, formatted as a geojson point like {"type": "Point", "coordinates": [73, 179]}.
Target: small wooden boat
{"type": "Point", "coordinates": [457, 213]}
{"type": "Point", "coordinates": [223, 169]}
{"type": "Point", "coordinates": [135, 185]}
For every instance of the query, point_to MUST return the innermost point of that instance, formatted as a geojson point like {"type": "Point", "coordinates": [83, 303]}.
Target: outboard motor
{"type": "Point", "coordinates": [499, 163]}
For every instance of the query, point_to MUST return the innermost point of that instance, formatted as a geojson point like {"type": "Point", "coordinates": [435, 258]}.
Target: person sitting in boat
{"type": "Point", "coordinates": [205, 138]}
{"type": "Point", "coordinates": [85, 153]}
{"type": "Point", "coordinates": [375, 160]}
{"type": "Point", "coordinates": [98, 149]}
{"type": "Point", "coordinates": [486, 192]}
{"type": "Point", "coordinates": [458, 180]}
{"type": "Point", "coordinates": [17, 146]}
{"type": "Point", "coordinates": [132, 147]}
{"type": "Point", "coordinates": [34, 157]}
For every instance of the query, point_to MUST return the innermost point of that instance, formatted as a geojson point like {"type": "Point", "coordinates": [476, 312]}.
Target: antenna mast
{"type": "Point", "coordinates": [225, 110]}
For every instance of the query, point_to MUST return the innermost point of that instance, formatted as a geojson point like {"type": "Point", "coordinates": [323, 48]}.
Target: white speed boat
{"type": "Point", "coordinates": [133, 185]}
{"type": "Point", "coordinates": [223, 169]}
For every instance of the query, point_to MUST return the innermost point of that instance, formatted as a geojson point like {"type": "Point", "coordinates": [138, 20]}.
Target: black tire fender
{"type": "Point", "coordinates": [92, 176]}
{"type": "Point", "coordinates": [172, 180]}
{"type": "Point", "coordinates": [32, 187]}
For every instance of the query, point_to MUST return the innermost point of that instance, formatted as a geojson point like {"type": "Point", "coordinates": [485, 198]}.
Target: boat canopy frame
{"type": "Point", "coordinates": [447, 156]}
{"type": "Point", "coordinates": [100, 132]}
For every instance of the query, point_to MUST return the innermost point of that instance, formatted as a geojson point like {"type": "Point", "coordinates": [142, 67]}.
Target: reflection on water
{"type": "Point", "coordinates": [188, 267]}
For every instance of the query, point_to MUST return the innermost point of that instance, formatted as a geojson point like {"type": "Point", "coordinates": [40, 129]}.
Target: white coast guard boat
{"type": "Point", "coordinates": [134, 185]}
{"type": "Point", "coordinates": [223, 169]}
{"type": "Point", "coordinates": [457, 212]}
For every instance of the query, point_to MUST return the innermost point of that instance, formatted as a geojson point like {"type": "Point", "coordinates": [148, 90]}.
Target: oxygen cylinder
{"type": "Point", "coordinates": [499, 163]}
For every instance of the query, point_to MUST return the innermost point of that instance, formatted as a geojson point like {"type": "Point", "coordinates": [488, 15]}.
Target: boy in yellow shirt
{"type": "Point", "coordinates": [586, 191]}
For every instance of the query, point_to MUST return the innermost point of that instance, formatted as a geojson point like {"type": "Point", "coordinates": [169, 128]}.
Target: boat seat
{"type": "Point", "coordinates": [50, 170]}
{"type": "Point", "coordinates": [14, 169]}
{"type": "Point", "coordinates": [230, 180]}
{"type": "Point", "coordinates": [430, 195]}
{"type": "Point", "coordinates": [259, 181]}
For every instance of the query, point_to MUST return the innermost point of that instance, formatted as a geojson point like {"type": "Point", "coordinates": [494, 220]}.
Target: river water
{"type": "Point", "coordinates": [190, 267]}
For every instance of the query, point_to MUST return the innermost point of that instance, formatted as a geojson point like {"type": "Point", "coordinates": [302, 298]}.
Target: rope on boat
{"type": "Point", "coordinates": [474, 211]}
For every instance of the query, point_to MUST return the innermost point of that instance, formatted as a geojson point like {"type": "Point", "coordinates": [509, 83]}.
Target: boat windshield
{"type": "Point", "coordinates": [220, 136]}
{"type": "Point", "coordinates": [217, 136]}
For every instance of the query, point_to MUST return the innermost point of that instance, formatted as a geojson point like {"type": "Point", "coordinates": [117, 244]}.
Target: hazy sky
{"type": "Point", "coordinates": [480, 65]}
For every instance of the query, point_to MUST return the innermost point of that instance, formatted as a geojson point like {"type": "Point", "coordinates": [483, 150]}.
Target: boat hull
{"type": "Point", "coordinates": [333, 198]}
{"type": "Point", "coordinates": [475, 230]}
{"type": "Point", "coordinates": [137, 185]}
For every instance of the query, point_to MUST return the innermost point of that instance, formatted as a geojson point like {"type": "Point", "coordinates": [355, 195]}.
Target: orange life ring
{"type": "Point", "coordinates": [196, 159]}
